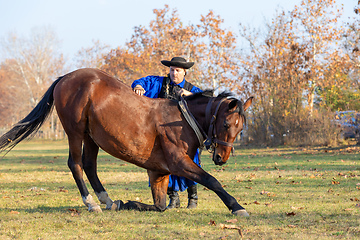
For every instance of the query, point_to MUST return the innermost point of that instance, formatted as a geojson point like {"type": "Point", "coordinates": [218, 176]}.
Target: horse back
{"type": "Point", "coordinates": [125, 125]}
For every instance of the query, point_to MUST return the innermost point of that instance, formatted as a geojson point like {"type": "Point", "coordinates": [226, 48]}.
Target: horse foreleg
{"type": "Point", "coordinates": [89, 160]}
{"type": "Point", "coordinates": [76, 167]}
{"type": "Point", "coordinates": [211, 183]}
{"type": "Point", "coordinates": [198, 175]}
{"type": "Point", "coordinates": [159, 184]}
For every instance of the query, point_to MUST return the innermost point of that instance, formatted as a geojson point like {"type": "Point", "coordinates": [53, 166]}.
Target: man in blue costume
{"type": "Point", "coordinates": [170, 87]}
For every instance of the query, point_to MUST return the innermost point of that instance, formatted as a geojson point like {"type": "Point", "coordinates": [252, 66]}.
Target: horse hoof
{"type": "Point", "coordinates": [95, 209]}
{"type": "Point", "coordinates": [241, 213]}
{"type": "Point", "coordinates": [117, 205]}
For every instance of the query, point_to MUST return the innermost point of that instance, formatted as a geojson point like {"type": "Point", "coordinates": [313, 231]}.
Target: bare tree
{"type": "Point", "coordinates": [35, 60]}
{"type": "Point", "coordinates": [92, 57]}
{"type": "Point", "coordinates": [29, 66]}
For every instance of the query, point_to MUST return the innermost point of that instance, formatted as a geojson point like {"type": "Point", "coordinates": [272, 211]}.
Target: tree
{"type": "Point", "coordinates": [296, 56]}
{"type": "Point", "coordinates": [166, 36]}
{"type": "Point", "coordinates": [92, 57]}
{"type": "Point", "coordinates": [317, 22]}
{"type": "Point", "coordinates": [35, 60]}
{"type": "Point", "coordinates": [273, 73]}
{"type": "Point", "coordinates": [218, 66]}
{"type": "Point", "coordinates": [352, 46]}
{"type": "Point", "coordinates": [341, 89]}
{"type": "Point", "coordinates": [12, 97]}
{"type": "Point", "coordinates": [210, 46]}
{"type": "Point", "coordinates": [30, 66]}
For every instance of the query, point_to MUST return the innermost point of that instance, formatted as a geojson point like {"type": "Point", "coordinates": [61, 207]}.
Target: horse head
{"type": "Point", "coordinates": [227, 121]}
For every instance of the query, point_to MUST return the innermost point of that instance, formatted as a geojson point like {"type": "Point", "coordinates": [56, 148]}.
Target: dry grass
{"type": "Point", "coordinates": [290, 193]}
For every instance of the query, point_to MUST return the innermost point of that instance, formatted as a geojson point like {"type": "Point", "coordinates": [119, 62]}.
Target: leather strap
{"type": "Point", "coordinates": [192, 121]}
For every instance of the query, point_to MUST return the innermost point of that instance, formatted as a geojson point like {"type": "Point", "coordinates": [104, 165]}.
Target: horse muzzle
{"type": "Point", "coordinates": [218, 159]}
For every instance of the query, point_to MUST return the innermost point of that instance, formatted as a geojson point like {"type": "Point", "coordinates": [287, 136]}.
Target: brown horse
{"type": "Point", "coordinates": [97, 110]}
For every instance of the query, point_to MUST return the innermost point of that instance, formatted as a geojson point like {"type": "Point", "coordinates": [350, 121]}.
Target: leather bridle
{"type": "Point", "coordinates": [211, 141]}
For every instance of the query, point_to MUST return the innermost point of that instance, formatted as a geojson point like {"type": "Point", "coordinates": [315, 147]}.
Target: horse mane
{"type": "Point", "coordinates": [209, 93]}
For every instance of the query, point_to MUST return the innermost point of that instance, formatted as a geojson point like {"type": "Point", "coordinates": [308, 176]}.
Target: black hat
{"type": "Point", "coordinates": [178, 62]}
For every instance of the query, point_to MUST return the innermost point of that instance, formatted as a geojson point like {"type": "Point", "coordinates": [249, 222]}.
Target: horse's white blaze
{"type": "Point", "coordinates": [105, 199]}
{"type": "Point", "coordinates": [237, 121]}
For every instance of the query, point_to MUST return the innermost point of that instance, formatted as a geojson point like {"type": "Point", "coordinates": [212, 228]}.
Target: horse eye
{"type": "Point", "coordinates": [226, 125]}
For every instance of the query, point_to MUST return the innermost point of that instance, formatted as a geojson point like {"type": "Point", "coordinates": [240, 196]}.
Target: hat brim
{"type": "Point", "coordinates": [185, 65]}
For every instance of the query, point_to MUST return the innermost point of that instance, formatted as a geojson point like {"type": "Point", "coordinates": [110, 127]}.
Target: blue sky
{"type": "Point", "coordinates": [78, 22]}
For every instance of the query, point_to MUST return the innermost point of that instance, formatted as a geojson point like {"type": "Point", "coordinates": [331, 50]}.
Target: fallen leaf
{"type": "Point", "coordinates": [292, 226]}
{"type": "Point", "coordinates": [335, 182]}
{"type": "Point", "coordinates": [14, 212]}
{"type": "Point", "coordinates": [225, 226]}
{"type": "Point", "coordinates": [74, 212]}
{"type": "Point", "coordinates": [256, 202]}
{"type": "Point", "coordinates": [290, 214]}
{"type": "Point", "coordinates": [212, 223]}
{"type": "Point", "coordinates": [354, 199]}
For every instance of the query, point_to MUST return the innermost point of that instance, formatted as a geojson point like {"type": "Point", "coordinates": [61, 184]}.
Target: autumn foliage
{"type": "Point", "coordinates": [207, 43]}
{"type": "Point", "coordinates": [301, 69]}
{"type": "Point", "coordinates": [293, 68]}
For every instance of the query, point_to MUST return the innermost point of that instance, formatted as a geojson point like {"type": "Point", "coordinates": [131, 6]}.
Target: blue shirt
{"type": "Point", "coordinates": [152, 85]}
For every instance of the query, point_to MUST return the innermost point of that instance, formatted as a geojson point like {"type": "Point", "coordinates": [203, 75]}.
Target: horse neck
{"type": "Point", "coordinates": [198, 108]}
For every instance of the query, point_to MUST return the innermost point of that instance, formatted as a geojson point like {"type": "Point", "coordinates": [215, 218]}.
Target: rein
{"type": "Point", "coordinates": [192, 121]}
{"type": "Point", "coordinates": [211, 140]}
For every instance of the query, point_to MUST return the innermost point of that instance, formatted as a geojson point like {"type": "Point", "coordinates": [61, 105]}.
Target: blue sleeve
{"type": "Point", "coordinates": [151, 84]}
{"type": "Point", "coordinates": [196, 90]}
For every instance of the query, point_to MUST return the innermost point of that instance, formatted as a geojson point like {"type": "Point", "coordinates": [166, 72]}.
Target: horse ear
{"type": "Point", "coordinates": [248, 103]}
{"type": "Point", "coordinates": [233, 104]}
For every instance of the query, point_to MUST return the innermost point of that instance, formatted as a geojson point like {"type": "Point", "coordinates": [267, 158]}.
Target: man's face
{"type": "Point", "coordinates": [177, 74]}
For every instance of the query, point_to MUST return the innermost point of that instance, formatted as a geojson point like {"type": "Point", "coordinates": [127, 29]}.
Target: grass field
{"type": "Point", "coordinates": [290, 193]}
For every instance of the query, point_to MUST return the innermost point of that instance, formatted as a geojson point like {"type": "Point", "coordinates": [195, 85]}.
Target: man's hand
{"type": "Point", "coordinates": [183, 92]}
{"type": "Point", "coordinates": [139, 90]}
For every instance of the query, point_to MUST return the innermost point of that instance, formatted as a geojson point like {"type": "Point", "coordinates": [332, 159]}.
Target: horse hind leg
{"type": "Point", "coordinates": [159, 184]}
{"type": "Point", "coordinates": [89, 160]}
{"type": "Point", "coordinates": [76, 166]}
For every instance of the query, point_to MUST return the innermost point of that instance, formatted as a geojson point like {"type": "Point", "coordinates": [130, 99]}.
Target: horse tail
{"type": "Point", "coordinates": [31, 123]}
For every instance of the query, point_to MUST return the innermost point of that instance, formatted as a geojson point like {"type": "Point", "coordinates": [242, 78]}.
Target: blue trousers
{"type": "Point", "coordinates": [181, 183]}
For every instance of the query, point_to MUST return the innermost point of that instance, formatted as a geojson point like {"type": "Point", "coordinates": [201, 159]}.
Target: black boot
{"type": "Point", "coordinates": [174, 199]}
{"type": "Point", "coordinates": [192, 196]}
